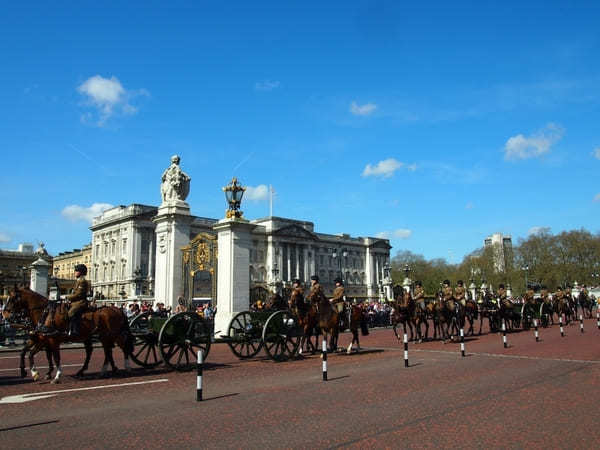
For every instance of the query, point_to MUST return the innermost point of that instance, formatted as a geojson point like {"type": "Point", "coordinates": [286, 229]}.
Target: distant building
{"type": "Point", "coordinates": [14, 265]}
{"type": "Point", "coordinates": [63, 264]}
{"type": "Point", "coordinates": [502, 250]}
{"type": "Point", "coordinates": [124, 250]}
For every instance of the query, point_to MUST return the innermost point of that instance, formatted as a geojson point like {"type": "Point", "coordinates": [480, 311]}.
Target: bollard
{"type": "Point", "coordinates": [324, 353]}
{"type": "Point", "coordinates": [504, 334]}
{"type": "Point", "coordinates": [199, 377]}
{"type": "Point", "coordinates": [462, 342]}
{"type": "Point", "coordinates": [598, 316]}
{"type": "Point", "coordinates": [562, 331]}
{"type": "Point", "coordinates": [535, 326]}
{"type": "Point", "coordinates": [405, 350]}
{"type": "Point", "coordinates": [581, 322]}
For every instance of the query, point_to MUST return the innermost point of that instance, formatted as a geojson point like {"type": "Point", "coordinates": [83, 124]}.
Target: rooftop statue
{"type": "Point", "coordinates": [175, 185]}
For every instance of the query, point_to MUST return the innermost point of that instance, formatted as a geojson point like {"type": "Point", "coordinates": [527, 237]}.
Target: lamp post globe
{"type": "Point", "coordinates": [234, 192]}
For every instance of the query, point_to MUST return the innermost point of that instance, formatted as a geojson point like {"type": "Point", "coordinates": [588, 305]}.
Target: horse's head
{"type": "Point", "coordinates": [21, 303]}
{"type": "Point", "coordinates": [15, 305]}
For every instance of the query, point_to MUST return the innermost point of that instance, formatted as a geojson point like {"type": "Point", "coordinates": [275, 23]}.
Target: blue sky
{"type": "Point", "coordinates": [433, 123]}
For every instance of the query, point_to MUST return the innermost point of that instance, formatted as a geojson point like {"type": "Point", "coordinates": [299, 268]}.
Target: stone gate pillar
{"type": "Point", "coordinates": [172, 233]}
{"type": "Point", "coordinates": [233, 281]}
{"type": "Point", "coordinates": [39, 276]}
{"type": "Point", "coordinates": [173, 222]}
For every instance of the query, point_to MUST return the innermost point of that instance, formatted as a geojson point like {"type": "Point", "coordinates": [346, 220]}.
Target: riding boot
{"type": "Point", "coordinates": [74, 326]}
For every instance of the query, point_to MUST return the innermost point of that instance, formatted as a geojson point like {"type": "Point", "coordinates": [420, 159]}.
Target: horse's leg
{"type": "Point", "coordinates": [88, 354]}
{"type": "Point", "coordinates": [108, 345]}
{"type": "Point", "coordinates": [26, 348]}
{"type": "Point", "coordinates": [50, 363]}
{"type": "Point", "coordinates": [56, 355]}
{"type": "Point", "coordinates": [34, 373]}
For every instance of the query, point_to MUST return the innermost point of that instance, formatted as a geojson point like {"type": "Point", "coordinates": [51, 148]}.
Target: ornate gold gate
{"type": "Point", "coordinates": [200, 268]}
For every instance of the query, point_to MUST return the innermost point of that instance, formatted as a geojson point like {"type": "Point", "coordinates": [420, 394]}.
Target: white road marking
{"type": "Point", "coordinates": [22, 398]}
{"type": "Point", "coordinates": [40, 367]}
{"type": "Point", "coordinates": [496, 355]}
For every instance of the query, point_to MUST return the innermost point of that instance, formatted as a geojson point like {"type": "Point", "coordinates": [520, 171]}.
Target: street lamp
{"type": "Point", "coordinates": [233, 194]}
{"type": "Point", "coordinates": [526, 269]}
{"type": "Point", "coordinates": [137, 273]}
{"type": "Point", "coordinates": [335, 256]}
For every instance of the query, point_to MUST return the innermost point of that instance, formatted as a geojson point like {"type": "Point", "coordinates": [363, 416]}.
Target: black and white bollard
{"type": "Point", "coordinates": [405, 350]}
{"type": "Point", "coordinates": [324, 354]}
{"type": "Point", "coordinates": [536, 333]}
{"type": "Point", "coordinates": [200, 363]}
{"type": "Point", "coordinates": [581, 322]}
{"type": "Point", "coordinates": [598, 316]}
{"type": "Point", "coordinates": [562, 331]}
{"type": "Point", "coordinates": [462, 342]}
{"type": "Point", "coordinates": [504, 341]}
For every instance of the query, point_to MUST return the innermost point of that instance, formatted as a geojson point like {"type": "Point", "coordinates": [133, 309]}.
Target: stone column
{"type": "Point", "coordinates": [306, 275]}
{"type": "Point", "coordinates": [288, 277]}
{"type": "Point", "coordinates": [297, 253]}
{"type": "Point", "coordinates": [172, 232]}
{"type": "Point", "coordinates": [233, 281]}
{"type": "Point", "coordinates": [39, 276]}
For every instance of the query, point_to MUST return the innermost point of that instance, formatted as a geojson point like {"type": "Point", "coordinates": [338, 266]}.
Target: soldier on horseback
{"type": "Point", "coordinates": [297, 296]}
{"type": "Point", "coordinates": [316, 291]}
{"type": "Point", "coordinates": [337, 301]}
{"type": "Point", "coordinates": [459, 293]}
{"type": "Point", "coordinates": [78, 299]}
{"type": "Point", "coordinates": [447, 291]}
{"type": "Point", "coordinates": [419, 296]}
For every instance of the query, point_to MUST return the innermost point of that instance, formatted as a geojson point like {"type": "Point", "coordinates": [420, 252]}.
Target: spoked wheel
{"type": "Point", "coordinates": [281, 336]}
{"type": "Point", "coordinates": [245, 335]}
{"type": "Point", "coordinates": [180, 339]}
{"type": "Point", "coordinates": [145, 351]}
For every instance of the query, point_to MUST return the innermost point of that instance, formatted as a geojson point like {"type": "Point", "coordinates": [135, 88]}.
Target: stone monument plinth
{"type": "Point", "coordinates": [173, 222]}
{"type": "Point", "coordinates": [233, 282]}
{"type": "Point", "coordinates": [39, 276]}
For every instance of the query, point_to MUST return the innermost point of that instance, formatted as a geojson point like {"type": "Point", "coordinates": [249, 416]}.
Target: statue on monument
{"type": "Point", "coordinates": [175, 184]}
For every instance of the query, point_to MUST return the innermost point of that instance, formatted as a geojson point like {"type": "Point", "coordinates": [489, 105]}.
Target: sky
{"type": "Point", "coordinates": [434, 124]}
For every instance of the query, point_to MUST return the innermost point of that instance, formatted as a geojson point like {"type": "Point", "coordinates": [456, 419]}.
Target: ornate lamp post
{"type": "Point", "coordinates": [407, 283]}
{"type": "Point", "coordinates": [234, 193]}
{"type": "Point", "coordinates": [137, 273]}
{"type": "Point", "coordinates": [335, 256]}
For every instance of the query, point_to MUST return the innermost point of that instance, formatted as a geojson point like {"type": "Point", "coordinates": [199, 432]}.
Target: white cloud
{"type": "Point", "coordinates": [107, 96]}
{"type": "Point", "coordinates": [596, 153]}
{"type": "Point", "coordinates": [533, 146]}
{"type": "Point", "coordinates": [538, 230]}
{"type": "Point", "coordinates": [597, 198]}
{"type": "Point", "coordinates": [400, 233]}
{"type": "Point", "coordinates": [76, 212]}
{"type": "Point", "coordinates": [266, 85]}
{"type": "Point", "coordinates": [4, 237]}
{"type": "Point", "coordinates": [362, 110]}
{"type": "Point", "coordinates": [257, 194]}
{"type": "Point", "coordinates": [469, 205]}
{"type": "Point", "coordinates": [386, 168]}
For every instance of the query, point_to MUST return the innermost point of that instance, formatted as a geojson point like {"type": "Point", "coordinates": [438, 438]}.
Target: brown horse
{"type": "Point", "coordinates": [328, 322]}
{"type": "Point", "coordinates": [307, 319]}
{"type": "Point", "coordinates": [403, 312]}
{"type": "Point", "coordinates": [109, 322]}
{"type": "Point", "coordinates": [356, 319]}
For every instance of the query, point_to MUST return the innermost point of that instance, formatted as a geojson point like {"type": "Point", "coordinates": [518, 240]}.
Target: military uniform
{"type": "Point", "coordinates": [78, 298]}
{"type": "Point", "coordinates": [528, 297]}
{"type": "Point", "coordinates": [544, 296]}
{"type": "Point", "coordinates": [337, 301]}
{"type": "Point", "coordinates": [503, 297]}
{"type": "Point", "coordinates": [459, 295]}
{"type": "Point", "coordinates": [316, 293]}
{"type": "Point", "coordinates": [419, 297]}
{"type": "Point", "coordinates": [297, 298]}
{"type": "Point", "coordinates": [447, 293]}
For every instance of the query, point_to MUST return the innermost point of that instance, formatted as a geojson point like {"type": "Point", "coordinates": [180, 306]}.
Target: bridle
{"type": "Point", "coordinates": [19, 310]}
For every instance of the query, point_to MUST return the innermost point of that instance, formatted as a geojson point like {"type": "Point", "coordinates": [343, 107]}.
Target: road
{"type": "Point", "coordinates": [530, 394]}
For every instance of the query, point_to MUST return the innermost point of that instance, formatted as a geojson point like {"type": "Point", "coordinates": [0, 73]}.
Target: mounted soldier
{"type": "Point", "coordinates": [419, 296]}
{"type": "Point", "coordinates": [337, 301]}
{"type": "Point", "coordinates": [316, 291]}
{"type": "Point", "coordinates": [78, 299]}
{"type": "Point", "coordinates": [447, 294]}
{"type": "Point", "coordinates": [297, 296]}
{"type": "Point", "coordinates": [459, 293]}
